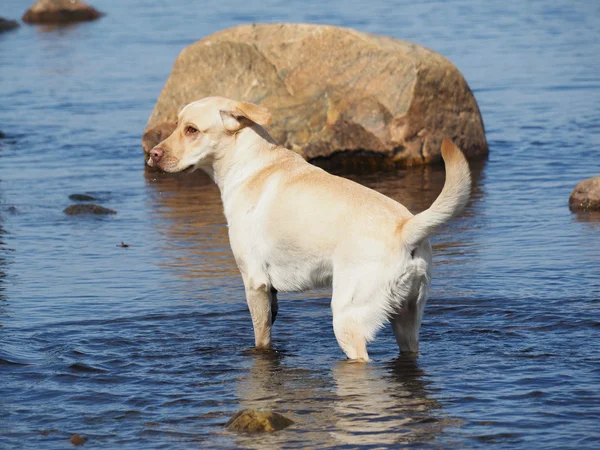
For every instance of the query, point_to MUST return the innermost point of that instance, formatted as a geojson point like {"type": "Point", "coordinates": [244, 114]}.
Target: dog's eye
{"type": "Point", "coordinates": [190, 131]}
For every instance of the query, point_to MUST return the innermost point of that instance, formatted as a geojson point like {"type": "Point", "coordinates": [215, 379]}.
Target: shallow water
{"type": "Point", "coordinates": [150, 346]}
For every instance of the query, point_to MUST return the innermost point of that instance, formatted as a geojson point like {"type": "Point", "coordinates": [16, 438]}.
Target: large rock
{"type": "Point", "coordinates": [257, 421]}
{"type": "Point", "coordinates": [7, 25]}
{"type": "Point", "coordinates": [330, 90]}
{"type": "Point", "coordinates": [586, 196]}
{"type": "Point", "coordinates": [60, 11]}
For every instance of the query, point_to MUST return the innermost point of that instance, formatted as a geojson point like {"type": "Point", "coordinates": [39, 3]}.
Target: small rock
{"type": "Point", "coordinates": [87, 208]}
{"type": "Point", "coordinates": [2, 135]}
{"type": "Point", "coordinates": [7, 25]}
{"type": "Point", "coordinates": [78, 440]}
{"type": "Point", "coordinates": [60, 11]}
{"type": "Point", "coordinates": [81, 198]}
{"type": "Point", "coordinates": [257, 421]}
{"type": "Point", "coordinates": [586, 196]}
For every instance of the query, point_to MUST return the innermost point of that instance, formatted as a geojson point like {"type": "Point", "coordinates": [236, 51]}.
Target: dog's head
{"type": "Point", "coordinates": [205, 129]}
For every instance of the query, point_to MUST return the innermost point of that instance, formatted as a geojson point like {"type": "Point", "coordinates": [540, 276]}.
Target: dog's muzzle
{"type": "Point", "coordinates": [156, 155]}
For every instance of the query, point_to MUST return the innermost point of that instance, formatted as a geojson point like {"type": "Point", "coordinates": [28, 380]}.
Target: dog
{"type": "Point", "coordinates": [293, 226]}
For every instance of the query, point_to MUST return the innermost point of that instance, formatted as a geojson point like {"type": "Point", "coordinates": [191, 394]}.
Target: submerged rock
{"type": "Point", "coordinates": [60, 12]}
{"type": "Point", "coordinates": [7, 25]}
{"type": "Point", "coordinates": [331, 91]}
{"type": "Point", "coordinates": [78, 440]}
{"type": "Point", "coordinates": [586, 196]}
{"type": "Point", "coordinates": [87, 208]}
{"type": "Point", "coordinates": [81, 198]}
{"type": "Point", "coordinates": [257, 421]}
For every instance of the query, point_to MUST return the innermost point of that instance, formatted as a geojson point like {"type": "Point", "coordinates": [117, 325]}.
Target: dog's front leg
{"type": "Point", "coordinates": [258, 296]}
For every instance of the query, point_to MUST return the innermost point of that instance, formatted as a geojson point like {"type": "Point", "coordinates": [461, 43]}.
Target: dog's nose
{"type": "Point", "coordinates": [156, 154]}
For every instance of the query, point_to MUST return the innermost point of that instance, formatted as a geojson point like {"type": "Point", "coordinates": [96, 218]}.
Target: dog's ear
{"type": "Point", "coordinates": [245, 114]}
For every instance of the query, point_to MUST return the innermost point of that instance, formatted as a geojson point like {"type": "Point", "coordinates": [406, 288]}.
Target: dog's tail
{"type": "Point", "coordinates": [453, 198]}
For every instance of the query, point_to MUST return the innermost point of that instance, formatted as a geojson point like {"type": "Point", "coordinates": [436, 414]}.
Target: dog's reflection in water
{"type": "Point", "coordinates": [383, 404]}
{"type": "Point", "coordinates": [344, 404]}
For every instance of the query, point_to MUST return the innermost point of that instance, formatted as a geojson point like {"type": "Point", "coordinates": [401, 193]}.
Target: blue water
{"type": "Point", "coordinates": [150, 346]}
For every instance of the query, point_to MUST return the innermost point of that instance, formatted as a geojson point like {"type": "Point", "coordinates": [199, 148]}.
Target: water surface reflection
{"type": "Point", "coordinates": [189, 226]}
{"type": "Point", "coordinates": [348, 404]}
{"type": "Point", "coordinates": [188, 213]}
{"type": "Point", "coordinates": [386, 405]}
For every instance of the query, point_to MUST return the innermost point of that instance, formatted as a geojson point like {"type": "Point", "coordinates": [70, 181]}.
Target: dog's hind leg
{"type": "Point", "coordinates": [358, 308]}
{"type": "Point", "coordinates": [350, 337]}
{"type": "Point", "coordinates": [406, 323]}
{"type": "Point", "coordinates": [346, 324]}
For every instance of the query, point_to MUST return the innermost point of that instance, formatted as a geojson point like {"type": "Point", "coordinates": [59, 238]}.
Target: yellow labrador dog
{"type": "Point", "coordinates": [293, 226]}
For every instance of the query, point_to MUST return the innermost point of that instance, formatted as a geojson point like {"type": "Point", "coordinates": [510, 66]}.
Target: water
{"type": "Point", "coordinates": [150, 346]}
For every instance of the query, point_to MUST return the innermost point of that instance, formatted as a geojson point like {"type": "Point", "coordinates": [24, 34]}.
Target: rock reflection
{"type": "Point", "coordinates": [591, 218]}
{"type": "Point", "coordinates": [188, 214]}
{"type": "Point", "coordinates": [418, 187]}
{"type": "Point", "coordinates": [188, 217]}
{"type": "Point", "coordinates": [61, 29]}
